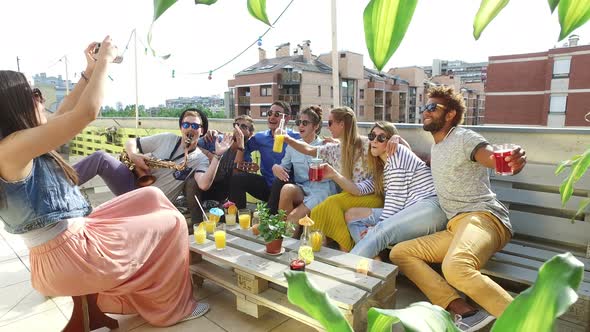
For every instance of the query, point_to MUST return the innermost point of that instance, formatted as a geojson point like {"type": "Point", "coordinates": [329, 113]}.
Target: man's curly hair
{"type": "Point", "coordinates": [453, 101]}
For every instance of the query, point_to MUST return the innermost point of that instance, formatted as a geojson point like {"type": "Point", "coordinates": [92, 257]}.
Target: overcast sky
{"type": "Point", "coordinates": [203, 37]}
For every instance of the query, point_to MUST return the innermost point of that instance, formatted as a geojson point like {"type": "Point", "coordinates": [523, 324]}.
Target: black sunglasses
{"type": "Point", "coordinates": [242, 126]}
{"type": "Point", "coordinates": [381, 138]}
{"type": "Point", "coordinates": [305, 123]}
{"type": "Point", "coordinates": [276, 113]}
{"type": "Point", "coordinates": [194, 125]}
{"type": "Point", "coordinates": [432, 107]}
{"type": "Point", "coordinates": [330, 122]}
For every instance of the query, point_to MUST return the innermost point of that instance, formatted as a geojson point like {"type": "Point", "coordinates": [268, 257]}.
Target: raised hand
{"type": "Point", "coordinates": [226, 142]}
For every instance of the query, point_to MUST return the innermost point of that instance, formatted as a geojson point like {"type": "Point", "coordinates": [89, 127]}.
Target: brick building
{"type": "Point", "coordinates": [549, 88]}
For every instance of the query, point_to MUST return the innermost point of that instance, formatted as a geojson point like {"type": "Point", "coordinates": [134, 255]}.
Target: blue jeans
{"type": "Point", "coordinates": [421, 218]}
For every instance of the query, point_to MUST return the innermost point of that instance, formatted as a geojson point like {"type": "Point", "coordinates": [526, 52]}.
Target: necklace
{"type": "Point", "coordinates": [450, 131]}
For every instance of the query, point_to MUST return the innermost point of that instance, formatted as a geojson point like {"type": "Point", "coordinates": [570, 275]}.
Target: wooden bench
{"type": "Point", "coordinates": [257, 279]}
{"type": "Point", "coordinates": [543, 229]}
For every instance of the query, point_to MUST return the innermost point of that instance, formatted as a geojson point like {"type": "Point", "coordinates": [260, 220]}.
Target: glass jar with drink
{"type": "Point", "coordinates": [316, 170]}
{"type": "Point", "coordinates": [244, 218]}
{"type": "Point", "coordinates": [220, 237]}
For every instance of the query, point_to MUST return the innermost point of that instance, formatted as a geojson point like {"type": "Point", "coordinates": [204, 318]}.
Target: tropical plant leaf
{"type": "Point", "coordinates": [583, 205]}
{"type": "Point", "coordinates": [572, 15]}
{"type": "Point", "coordinates": [488, 10]}
{"type": "Point", "coordinates": [205, 2]}
{"type": "Point", "coordinates": [554, 291]}
{"type": "Point", "coordinates": [418, 317]}
{"type": "Point", "coordinates": [160, 6]}
{"type": "Point", "coordinates": [553, 4]}
{"type": "Point", "coordinates": [257, 8]}
{"type": "Point", "coordinates": [304, 294]}
{"type": "Point", "coordinates": [579, 165]}
{"type": "Point", "coordinates": [563, 164]}
{"type": "Point", "coordinates": [386, 23]}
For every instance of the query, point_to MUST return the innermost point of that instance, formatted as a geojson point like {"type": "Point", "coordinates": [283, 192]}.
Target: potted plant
{"type": "Point", "coordinates": [272, 228]}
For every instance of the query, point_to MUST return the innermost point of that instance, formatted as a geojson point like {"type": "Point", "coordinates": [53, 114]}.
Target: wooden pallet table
{"type": "Point", "coordinates": [259, 284]}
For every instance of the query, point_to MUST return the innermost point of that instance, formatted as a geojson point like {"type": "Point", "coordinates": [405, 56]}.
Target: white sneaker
{"type": "Point", "coordinates": [474, 322]}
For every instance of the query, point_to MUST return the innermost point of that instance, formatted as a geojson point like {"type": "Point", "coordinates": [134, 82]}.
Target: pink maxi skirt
{"type": "Point", "coordinates": [132, 251]}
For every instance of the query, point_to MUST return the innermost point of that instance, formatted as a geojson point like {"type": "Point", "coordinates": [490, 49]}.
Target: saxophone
{"type": "Point", "coordinates": [145, 179]}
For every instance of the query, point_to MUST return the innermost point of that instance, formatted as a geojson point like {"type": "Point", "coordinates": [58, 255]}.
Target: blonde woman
{"type": "Point", "coordinates": [411, 208]}
{"type": "Point", "coordinates": [349, 157]}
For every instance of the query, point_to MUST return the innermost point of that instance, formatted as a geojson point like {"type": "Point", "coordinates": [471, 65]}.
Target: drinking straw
{"type": "Point", "coordinates": [199, 203]}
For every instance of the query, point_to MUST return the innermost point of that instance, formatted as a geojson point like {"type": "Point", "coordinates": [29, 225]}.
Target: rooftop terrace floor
{"type": "Point", "coordinates": [24, 309]}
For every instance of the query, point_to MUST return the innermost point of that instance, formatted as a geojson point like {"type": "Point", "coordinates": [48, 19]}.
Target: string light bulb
{"type": "Point", "coordinates": [210, 74]}
{"type": "Point", "coordinates": [260, 41]}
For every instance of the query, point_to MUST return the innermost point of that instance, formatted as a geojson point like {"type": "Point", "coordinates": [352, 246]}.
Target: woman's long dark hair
{"type": "Point", "coordinates": [18, 112]}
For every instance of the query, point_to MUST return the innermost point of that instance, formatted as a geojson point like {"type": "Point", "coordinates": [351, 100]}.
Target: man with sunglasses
{"type": "Point", "coordinates": [243, 129]}
{"type": "Point", "coordinates": [478, 223]}
{"type": "Point", "coordinates": [164, 146]}
{"type": "Point", "coordinates": [256, 185]}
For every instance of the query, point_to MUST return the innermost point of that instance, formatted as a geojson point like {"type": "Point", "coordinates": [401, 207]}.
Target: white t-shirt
{"type": "Point", "coordinates": [161, 146]}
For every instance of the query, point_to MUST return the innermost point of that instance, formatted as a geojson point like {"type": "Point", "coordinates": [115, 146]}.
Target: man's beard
{"type": "Point", "coordinates": [434, 125]}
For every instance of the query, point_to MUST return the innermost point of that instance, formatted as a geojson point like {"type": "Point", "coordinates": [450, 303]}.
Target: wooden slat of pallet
{"type": "Point", "coordinates": [552, 228]}
{"type": "Point", "coordinates": [541, 255]}
{"type": "Point", "coordinates": [270, 298]}
{"type": "Point", "coordinates": [362, 281]}
{"type": "Point", "coordinates": [525, 262]}
{"type": "Point", "coordinates": [523, 275]}
{"type": "Point", "coordinates": [535, 198]}
{"type": "Point", "coordinates": [345, 296]}
{"type": "Point", "coordinates": [541, 174]}
{"type": "Point", "coordinates": [333, 257]}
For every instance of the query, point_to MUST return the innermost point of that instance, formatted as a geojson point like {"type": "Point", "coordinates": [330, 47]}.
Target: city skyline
{"type": "Point", "coordinates": [439, 30]}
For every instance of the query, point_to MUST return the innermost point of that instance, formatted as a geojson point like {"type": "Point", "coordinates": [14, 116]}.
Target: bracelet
{"type": "Point", "coordinates": [241, 149]}
{"type": "Point", "coordinates": [216, 156]}
{"type": "Point", "coordinates": [84, 76]}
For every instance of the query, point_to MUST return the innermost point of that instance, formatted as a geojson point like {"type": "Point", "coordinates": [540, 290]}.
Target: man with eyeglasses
{"type": "Point", "coordinates": [263, 141]}
{"type": "Point", "coordinates": [164, 146]}
{"type": "Point", "coordinates": [243, 129]}
{"type": "Point", "coordinates": [478, 223]}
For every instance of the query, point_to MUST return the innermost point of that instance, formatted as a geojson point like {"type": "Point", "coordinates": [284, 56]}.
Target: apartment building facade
{"type": "Point", "coordinates": [549, 88]}
{"type": "Point", "coordinates": [53, 89]}
{"type": "Point", "coordinates": [302, 79]}
{"type": "Point", "coordinates": [466, 72]}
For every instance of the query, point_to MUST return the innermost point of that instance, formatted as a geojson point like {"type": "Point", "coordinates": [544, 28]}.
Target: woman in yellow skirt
{"type": "Point", "coordinates": [349, 157]}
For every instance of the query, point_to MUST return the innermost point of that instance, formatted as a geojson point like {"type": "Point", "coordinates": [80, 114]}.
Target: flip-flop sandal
{"type": "Point", "coordinates": [200, 310]}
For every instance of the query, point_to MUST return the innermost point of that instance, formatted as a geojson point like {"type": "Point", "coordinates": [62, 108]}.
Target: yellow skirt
{"type": "Point", "coordinates": [329, 215]}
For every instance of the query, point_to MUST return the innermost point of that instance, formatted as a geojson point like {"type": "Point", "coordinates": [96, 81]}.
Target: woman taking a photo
{"type": "Point", "coordinates": [132, 250]}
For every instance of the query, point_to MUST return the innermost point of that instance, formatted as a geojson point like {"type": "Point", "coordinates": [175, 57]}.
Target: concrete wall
{"type": "Point", "coordinates": [543, 145]}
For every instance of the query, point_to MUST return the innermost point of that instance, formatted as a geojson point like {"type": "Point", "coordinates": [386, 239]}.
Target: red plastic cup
{"type": "Point", "coordinates": [501, 151]}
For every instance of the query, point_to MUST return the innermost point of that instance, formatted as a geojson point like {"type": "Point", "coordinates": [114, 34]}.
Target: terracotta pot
{"type": "Point", "coordinates": [274, 246]}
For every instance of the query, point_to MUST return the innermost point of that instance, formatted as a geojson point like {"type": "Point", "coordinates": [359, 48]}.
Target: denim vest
{"type": "Point", "coordinates": [43, 198]}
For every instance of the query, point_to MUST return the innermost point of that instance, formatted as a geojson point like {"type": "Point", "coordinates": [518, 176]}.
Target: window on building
{"type": "Point", "coordinates": [561, 68]}
{"type": "Point", "coordinates": [361, 110]}
{"type": "Point", "coordinates": [362, 94]}
{"type": "Point", "coordinates": [266, 90]}
{"type": "Point", "coordinates": [420, 97]}
{"type": "Point", "coordinates": [319, 90]}
{"type": "Point", "coordinates": [331, 91]}
{"type": "Point", "coordinates": [558, 104]}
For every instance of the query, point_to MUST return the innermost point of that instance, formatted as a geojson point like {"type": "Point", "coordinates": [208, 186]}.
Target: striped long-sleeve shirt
{"type": "Point", "coordinates": [406, 180]}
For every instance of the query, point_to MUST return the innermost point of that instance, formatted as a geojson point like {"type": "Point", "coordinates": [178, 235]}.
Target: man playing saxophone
{"type": "Point", "coordinates": [178, 158]}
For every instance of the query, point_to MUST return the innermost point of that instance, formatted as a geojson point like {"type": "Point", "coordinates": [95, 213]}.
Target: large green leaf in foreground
{"type": "Point", "coordinates": [572, 15]}
{"type": "Point", "coordinates": [315, 302]}
{"type": "Point", "coordinates": [554, 291]}
{"type": "Point", "coordinates": [488, 9]}
{"type": "Point", "coordinates": [386, 23]}
{"type": "Point", "coordinates": [418, 317]}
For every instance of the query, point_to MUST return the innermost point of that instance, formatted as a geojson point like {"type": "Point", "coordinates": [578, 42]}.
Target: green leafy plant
{"type": "Point", "coordinates": [578, 165]}
{"type": "Point", "coordinates": [535, 309]}
{"type": "Point", "coordinates": [272, 226]}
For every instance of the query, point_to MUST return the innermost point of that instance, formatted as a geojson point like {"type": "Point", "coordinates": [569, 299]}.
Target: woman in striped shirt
{"type": "Point", "coordinates": [411, 207]}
